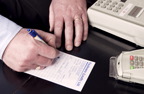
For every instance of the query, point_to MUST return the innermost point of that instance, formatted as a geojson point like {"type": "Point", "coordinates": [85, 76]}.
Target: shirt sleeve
{"type": "Point", "coordinates": [8, 30]}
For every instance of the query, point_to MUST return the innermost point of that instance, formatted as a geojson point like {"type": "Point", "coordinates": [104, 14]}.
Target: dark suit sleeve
{"type": "Point", "coordinates": [27, 13]}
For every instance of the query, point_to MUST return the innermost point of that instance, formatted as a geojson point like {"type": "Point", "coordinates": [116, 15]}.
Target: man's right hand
{"type": "Point", "coordinates": [24, 52]}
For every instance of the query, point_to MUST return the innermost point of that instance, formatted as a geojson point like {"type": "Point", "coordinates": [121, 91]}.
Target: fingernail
{"type": "Point", "coordinates": [58, 45]}
{"type": "Point", "coordinates": [77, 44]}
{"type": "Point", "coordinates": [85, 38]}
{"type": "Point", "coordinates": [38, 68]}
{"type": "Point", "coordinates": [50, 29]}
{"type": "Point", "coordinates": [69, 48]}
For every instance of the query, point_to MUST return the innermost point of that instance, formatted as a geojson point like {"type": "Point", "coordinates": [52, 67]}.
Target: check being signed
{"type": "Point", "coordinates": [67, 70]}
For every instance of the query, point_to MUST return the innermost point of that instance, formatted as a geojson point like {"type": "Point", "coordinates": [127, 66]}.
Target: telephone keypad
{"type": "Point", "coordinates": [110, 5]}
{"type": "Point", "coordinates": [136, 62]}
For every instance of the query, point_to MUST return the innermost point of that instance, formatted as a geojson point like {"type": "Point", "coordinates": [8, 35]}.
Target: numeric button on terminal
{"type": "Point", "coordinates": [109, 8]}
{"type": "Point", "coordinates": [97, 4]}
{"type": "Point", "coordinates": [115, 10]}
{"type": "Point", "coordinates": [103, 6]}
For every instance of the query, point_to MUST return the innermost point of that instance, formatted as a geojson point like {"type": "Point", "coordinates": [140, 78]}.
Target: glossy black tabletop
{"type": "Point", "coordinates": [99, 48]}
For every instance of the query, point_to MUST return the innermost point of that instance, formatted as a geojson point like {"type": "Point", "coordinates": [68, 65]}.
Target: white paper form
{"type": "Point", "coordinates": [66, 70]}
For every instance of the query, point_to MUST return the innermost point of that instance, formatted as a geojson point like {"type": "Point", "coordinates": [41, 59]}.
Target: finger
{"type": "Point", "coordinates": [51, 18]}
{"type": "Point", "coordinates": [85, 23]}
{"type": "Point", "coordinates": [68, 33]}
{"type": "Point", "coordinates": [33, 66]}
{"type": "Point", "coordinates": [46, 50]}
{"type": "Point", "coordinates": [58, 30]}
{"type": "Point", "coordinates": [48, 38]}
{"type": "Point", "coordinates": [43, 61]}
{"type": "Point", "coordinates": [78, 31]}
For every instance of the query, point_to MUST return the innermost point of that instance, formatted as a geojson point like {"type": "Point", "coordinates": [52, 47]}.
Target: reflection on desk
{"type": "Point", "coordinates": [128, 88]}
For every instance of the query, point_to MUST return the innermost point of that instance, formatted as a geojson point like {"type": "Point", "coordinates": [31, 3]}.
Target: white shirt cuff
{"type": "Point", "coordinates": [8, 30]}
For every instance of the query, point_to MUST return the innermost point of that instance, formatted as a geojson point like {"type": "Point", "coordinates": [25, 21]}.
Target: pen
{"type": "Point", "coordinates": [35, 35]}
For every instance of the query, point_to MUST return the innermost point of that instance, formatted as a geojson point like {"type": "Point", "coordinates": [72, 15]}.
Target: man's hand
{"type": "Point", "coordinates": [25, 53]}
{"type": "Point", "coordinates": [71, 14]}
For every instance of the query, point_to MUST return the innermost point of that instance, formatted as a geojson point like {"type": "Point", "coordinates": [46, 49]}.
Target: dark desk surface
{"type": "Point", "coordinates": [99, 48]}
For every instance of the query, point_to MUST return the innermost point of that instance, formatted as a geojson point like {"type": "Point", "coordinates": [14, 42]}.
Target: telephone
{"type": "Point", "coordinates": [123, 18]}
{"type": "Point", "coordinates": [128, 66]}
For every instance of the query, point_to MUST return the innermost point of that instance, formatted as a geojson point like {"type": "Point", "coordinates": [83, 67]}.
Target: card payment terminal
{"type": "Point", "coordinates": [128, 66]}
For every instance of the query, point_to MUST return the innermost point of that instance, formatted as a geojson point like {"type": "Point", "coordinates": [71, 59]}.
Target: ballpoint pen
{"type": "Point", "coordinates": [35, 35]}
